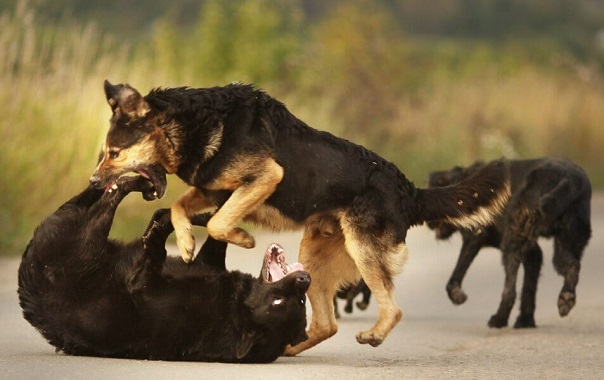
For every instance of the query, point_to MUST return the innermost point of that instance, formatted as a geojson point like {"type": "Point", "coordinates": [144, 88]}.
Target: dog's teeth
{"type": "Point", "coordinates": [114, 187]}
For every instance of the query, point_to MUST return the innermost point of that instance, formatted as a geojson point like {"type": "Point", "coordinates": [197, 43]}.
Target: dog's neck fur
{"type": "Point", "coordinates": [192, 123]}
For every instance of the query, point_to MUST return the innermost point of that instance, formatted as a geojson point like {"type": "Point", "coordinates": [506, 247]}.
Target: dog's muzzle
{"type": "Point", "coordinates": [95, 180]}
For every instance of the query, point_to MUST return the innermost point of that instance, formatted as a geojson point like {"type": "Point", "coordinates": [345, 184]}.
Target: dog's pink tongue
{"type": "Point", "coordinates": [144, 174]}
{"type": "Point", "coordinates": [296, 267]}
{"type": "Point", "coordinates": [276, 271]}
{"type": "Point", "coordinates": [277, 266]}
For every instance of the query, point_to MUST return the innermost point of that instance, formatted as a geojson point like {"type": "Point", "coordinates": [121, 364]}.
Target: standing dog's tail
{"type": "Point", "coordinates": [470, 203]}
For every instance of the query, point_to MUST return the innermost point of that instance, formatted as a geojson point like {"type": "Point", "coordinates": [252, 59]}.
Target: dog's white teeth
{"type": "Point", "coordinates": [114, 187]}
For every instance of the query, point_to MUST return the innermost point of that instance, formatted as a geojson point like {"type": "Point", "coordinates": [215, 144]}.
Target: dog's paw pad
{"type": "Point", "coordinates": [566, 302]}
{"type": "Point", "coordinates": [370, 338]}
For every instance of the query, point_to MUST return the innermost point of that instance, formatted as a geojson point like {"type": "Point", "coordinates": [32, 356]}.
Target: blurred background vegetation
{"type": "Point", "coordinates": [427, 84]}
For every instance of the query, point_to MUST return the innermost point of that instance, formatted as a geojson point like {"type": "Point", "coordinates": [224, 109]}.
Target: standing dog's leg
{"type": "Point", "coordinates": [258, 181]}
{"type": "Point", "coordinates": [378, 259]}
{"type": "Point", "coordinates": [379, 279]}
{"type": "Point", "coordinates": [251, 184]}
{"type": "Point", "coordinates": [532, 266]}
{"type": "Point", "coordinates": [469, 250]}
{"type": "Point", "coordinates": [567, 255]}
{"type": "Point", "coordinates": [322, 253]}
{"type": "Point", "coordinates": [514, 249]}
{"type": "Point", "coordinates": [181, 213]}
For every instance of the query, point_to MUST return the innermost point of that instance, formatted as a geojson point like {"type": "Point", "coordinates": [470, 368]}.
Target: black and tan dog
{"type": "Point", "coordinates": [90, 295]}
{"type": "Point", "coordinates": [250, 159]}
{"type": "Point", "coordinates": [550, 198]}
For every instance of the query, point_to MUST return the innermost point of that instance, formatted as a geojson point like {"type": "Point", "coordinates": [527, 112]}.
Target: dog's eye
{"type": "Point", "coordinates": [278, 301]}
{"type": "Point", "coordinates": [113, 154]}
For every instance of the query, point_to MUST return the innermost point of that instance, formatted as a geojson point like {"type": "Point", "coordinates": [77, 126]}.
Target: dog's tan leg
{"type": "Point", "coordinates": [324, 257]}
{"type": "Point", "coordinates": [378, 260]}
{"type": "Point", "coordinates": [246, 197]}
{"type": "Point", "coordinates": [181, 211]}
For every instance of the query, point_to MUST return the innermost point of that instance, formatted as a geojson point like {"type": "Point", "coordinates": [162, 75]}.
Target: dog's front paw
{"type": "Point", "coordinates": [566, 302]}
{"type": "Point", "coordinates": [456, 294]}
{"type": "Point", "coordinates": [370, 338]}
{"type": "Point", "coordinates": [148, 191]}
{"type": "Point", "coordinates": [186, 244]}
{"type": "Point", "coordinates": [497, 322]}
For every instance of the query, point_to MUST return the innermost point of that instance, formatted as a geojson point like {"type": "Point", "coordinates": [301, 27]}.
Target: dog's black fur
{"type": "Point", "coordinates": [349, 293]}
{"type": "Point", "coordinates": [90, 295]}
{"type": "Point", "coordinates": [550, 198]}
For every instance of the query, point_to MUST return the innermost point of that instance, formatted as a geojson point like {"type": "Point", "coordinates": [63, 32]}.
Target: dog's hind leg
{"type": "Point", "coordinates": [212, 254]}
{"type": "Point", "coordinates": [532, 267]}
{"type": "Point", "coordinates": [323, 255]}
{"type": "Point", "coordinates": [568, 249]}
{"type": "Point", "coordinates": [149, 265]}
{"type": "Point", "coordinates": [379, 280]}
{"type": "Point", "coordinates": [514, 249]}
{"type": "Point", "coordinates": [378, 258]}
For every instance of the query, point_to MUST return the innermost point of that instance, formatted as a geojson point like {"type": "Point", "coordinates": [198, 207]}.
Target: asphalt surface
{"type": "Point", "coordinates": [435, 339]}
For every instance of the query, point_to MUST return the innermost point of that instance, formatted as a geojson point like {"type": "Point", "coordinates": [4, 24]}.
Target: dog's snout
{"type": "Point", "coordinates": [302, 281]}
{"type": "Point", "coordinates": [95, 180]}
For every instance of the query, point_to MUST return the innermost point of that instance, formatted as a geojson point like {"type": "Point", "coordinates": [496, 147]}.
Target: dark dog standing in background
{"type": "Point", "coordinates": [90, 295]}
{"type": "Point", "coordinates": [550, 198]}
{"type": "Point", "coordinates": [349, 293]}
{"type": "Point", "coordinates": [250, 159]}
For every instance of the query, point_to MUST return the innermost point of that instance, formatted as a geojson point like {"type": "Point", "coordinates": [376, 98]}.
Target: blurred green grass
{"type": "Point", "coordinates": [424, 104]}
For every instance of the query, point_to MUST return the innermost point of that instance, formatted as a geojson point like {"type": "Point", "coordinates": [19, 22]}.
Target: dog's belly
{"type": "Point", "coordinates": [270, 217]}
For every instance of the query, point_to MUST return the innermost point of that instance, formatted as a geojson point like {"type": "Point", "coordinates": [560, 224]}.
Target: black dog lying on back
{"type": "Point", "coordinates": [90, 295]}
{"type": "Point", "coordinates": [550, 198]}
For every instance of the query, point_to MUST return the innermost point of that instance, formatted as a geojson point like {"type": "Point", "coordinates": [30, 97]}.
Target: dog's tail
{"type": "Point", "coordinates": [471, 203]}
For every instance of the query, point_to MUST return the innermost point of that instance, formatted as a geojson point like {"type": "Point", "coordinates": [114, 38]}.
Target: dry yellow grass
{"type": "Point", "coordinates": [54, 115]}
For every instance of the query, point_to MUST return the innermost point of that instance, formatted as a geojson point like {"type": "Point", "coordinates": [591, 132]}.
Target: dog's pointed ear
{"type": "Point", "coordinates": [124, 99]}
{"type": "Point", "coordinates": [244, 345]}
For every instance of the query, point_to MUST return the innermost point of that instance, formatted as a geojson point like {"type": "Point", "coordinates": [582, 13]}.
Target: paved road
{"type": "Point", "coordinates": [435, 340]}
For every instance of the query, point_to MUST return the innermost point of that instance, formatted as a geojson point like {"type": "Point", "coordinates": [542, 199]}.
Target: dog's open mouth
{"type": "Point", "coordinates": [155, 174]}
{"type": "Point", "coordinates": [275, 267]}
